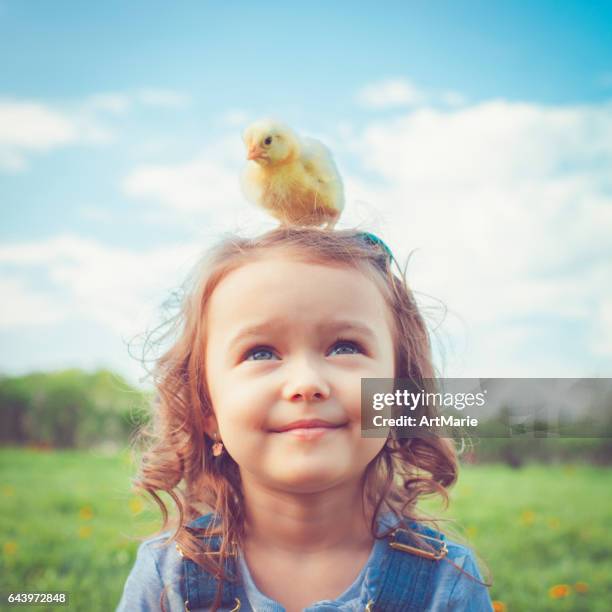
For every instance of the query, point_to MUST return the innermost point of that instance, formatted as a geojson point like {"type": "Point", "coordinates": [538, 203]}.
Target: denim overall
{"type": "Point", "coordinates": [404, 586]}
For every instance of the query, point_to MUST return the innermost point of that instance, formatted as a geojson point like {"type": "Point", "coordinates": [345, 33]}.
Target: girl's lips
{"type": "Point", "coordinates": [308, 433]}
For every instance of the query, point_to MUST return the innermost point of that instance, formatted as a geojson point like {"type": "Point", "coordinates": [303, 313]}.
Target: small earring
{"type": "Point", "coordinates": [217, 447]}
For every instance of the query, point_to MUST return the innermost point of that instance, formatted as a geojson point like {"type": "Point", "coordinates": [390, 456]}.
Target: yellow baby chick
{"type": "Point", "coordinates": [294, 179]}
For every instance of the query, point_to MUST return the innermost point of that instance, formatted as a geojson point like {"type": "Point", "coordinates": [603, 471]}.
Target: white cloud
{"type": "Point", "coordinates": [602, 336]}
{"type": "Point", "coordinates": [11, 161]}
{"type": "Point", "coordinates": [452, 98]}
{"type": "Point", "coordinates": [390, 93]}
{"type": "Point", "coordinates": [31, 127]}
{"type": "Point", "coordinates": [34, 126]}
{"type": "Point", "coordinates": [120, 102]}
{"type": "Point", "coordinates": [510, 208]}
{"type": "Point", "coordinates": [197, 186]}
{"type": "Point", "coordinates": [400, 92]}
{"type": "Point", "coordinates": [96, 213]}
{"type": "Point", "coordinates": [117, 288]}
{"type": "Point", "coordinates": [24, 305]}
{"type": "Point", "coordinates": [234, 117]}
{"type": "Point", "coordinates": [163, 98]}
{"type": "Point", "coordinates": [109, 102]}
{"type": "Point", "coordinates": [28, 127]}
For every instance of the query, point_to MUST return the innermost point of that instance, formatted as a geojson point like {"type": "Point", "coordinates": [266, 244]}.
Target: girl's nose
{"type": "Point", "coordinates": [307, 383]}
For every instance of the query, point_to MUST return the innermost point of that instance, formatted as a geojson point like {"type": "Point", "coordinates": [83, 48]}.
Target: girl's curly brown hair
{"type": "Point", "coordinates": [178, 456]}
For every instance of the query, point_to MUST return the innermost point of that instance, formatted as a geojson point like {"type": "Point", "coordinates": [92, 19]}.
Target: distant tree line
{"type": "Point", "coordinates": [538, 441]}
{"type": "Point", "coordinates": [516, 452]}
{"type": "Point", "coordinates": [69, 409]}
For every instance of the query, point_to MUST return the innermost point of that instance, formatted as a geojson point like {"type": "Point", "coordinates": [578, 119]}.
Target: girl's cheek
{"type": "Point", "coordinates": [354, 402]}
{"type": "Point", "coordinates": [249, 406]}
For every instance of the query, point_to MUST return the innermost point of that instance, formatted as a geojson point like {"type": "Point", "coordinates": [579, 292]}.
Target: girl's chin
{"type": "Point", "coordinates": [309, 483]}
{"type": "Point", "coordinates": [315, 471]}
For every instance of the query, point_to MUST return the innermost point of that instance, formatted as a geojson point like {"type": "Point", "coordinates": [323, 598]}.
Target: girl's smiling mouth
{"type": "Point", "coordinates": [308, 424]}
{"type": "Point", "coordinates": [308, 433]}
{"type": "Point", "coordinates": [308, 429]}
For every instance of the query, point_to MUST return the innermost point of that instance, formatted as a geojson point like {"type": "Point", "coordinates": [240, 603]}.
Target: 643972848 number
{"type": "Point", "coordinates": [21, 598]}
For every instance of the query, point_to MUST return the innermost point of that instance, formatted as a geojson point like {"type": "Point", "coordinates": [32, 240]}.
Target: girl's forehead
{"type": "Point", "coordinates": [287, 273]}
{"type": "Point", "coordinates": [272, 284]}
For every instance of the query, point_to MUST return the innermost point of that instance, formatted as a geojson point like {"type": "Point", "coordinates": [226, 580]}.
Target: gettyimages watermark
{"type": "Point", "coordinates": [487, 407]}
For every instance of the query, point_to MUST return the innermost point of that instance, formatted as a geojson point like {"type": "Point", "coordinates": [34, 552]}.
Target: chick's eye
{"type": "Point", "coordinates": [353, 346]}
{"type": "Point", "coordinates": [268, 140]}
{"type": "Point", "coordinates": [256, 353]}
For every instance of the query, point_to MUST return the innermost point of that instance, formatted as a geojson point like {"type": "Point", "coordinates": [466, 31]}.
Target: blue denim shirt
{"type": "Point", "coordinates": [161, 568]}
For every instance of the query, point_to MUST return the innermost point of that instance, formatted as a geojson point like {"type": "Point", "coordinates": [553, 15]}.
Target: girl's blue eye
{"type": "Point", "coordinates": [341, 347]}
{"type": "Point", "coordinates": [257, 350]}
{"type": "Point", "coordinates": [350, 344]}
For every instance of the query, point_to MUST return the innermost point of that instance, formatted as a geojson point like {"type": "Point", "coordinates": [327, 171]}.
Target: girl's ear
{"type": "Point", "coordinates": [210, 425]}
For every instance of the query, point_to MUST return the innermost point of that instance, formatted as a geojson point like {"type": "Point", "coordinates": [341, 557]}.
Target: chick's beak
{"type": "Point", "coordinates": [255, 152]}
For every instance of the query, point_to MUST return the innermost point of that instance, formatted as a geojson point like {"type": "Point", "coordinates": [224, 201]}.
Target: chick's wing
{"type": "Point", "coordinates": [318, 160]}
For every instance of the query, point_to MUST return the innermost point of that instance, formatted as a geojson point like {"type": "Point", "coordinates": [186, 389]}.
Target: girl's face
{"type": "Point", "coordinates": [290, 341]}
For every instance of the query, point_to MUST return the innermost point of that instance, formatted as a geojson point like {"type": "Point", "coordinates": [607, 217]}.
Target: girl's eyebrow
{"type": "Point", "coordinates": [276, 325]}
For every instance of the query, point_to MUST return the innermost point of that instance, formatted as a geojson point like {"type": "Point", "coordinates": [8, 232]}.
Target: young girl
{"type": "Point", "coordinates": [282, 504]}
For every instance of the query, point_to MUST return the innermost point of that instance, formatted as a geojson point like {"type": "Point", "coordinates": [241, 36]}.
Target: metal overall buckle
{"type": "Point", "coordinates": [434, 556]}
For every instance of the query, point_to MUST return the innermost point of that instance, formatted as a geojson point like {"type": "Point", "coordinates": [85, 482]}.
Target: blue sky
{"type": "Point", "coordinates": [478, 133]}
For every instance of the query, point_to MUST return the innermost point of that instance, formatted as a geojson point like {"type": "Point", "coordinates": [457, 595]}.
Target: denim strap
{"type": "Point", "coordinates": [201, 586]}
{"type": "Point", "coordinates": [406, 577]}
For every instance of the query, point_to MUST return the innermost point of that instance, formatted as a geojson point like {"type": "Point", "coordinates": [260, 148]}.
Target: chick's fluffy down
{"type": "Point", "coordinates": [295, 180]}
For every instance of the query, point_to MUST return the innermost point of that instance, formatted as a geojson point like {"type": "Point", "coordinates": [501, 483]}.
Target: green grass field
{"type": "Point", "coordinates": [68, 522]}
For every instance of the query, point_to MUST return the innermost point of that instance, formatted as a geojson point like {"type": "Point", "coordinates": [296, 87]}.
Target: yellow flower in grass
{"type": "Point", "coordinates": [86, 513]}
{"type": "Point", "coordinates": [85, 531]}
{"type": "Point", "coordinates": [499, 606]}
{"type": "Point", "coordinates": [554, 523]}
{"type": "Point", "coordinates": [136, 505]}
{"type": "Point", "coordinates": [559, 591]}
{"type": "Point", "coordinates": [8, 491]}
{"type": "Point", "coordinates": [471, 532]}
{"type": "Point", "coordinates": [528, 517]}
{"type": "Point", "coordinates": [10, 548]}
{"type": "Point", "coordinates": [581, 587]}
